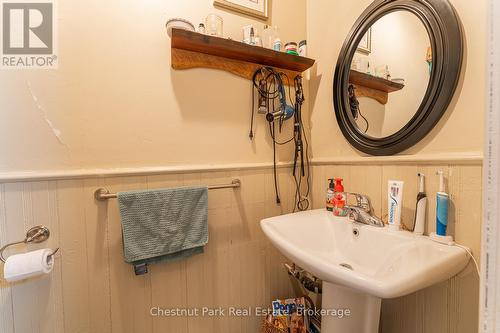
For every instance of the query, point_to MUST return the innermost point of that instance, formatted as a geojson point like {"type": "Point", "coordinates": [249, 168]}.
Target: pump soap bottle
{"type": "Point", "coordinates": [329, 196]}
{"type": "Point", "coordinates": [442, 203]}
{"type": "Point", "coordinates": [339, 198]}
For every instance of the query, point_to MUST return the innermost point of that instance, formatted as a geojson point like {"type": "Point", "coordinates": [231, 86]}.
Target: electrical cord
{"type": "Point", "coordinates": [269, 84]}
{"type": "Point", "coordinates": [303, 203]}
{"type": "Point", "coordinates": [472, 257]}
{"type": "Point", "coordinates": [354, 104]}
{"type": "Point", "coordinates": [466, 249]}
{"type": "Point", "coordinates": [263, 93]}
{"type": "Point", "coordinates": [301, 200]}
{"type": "Point", "coordinates": [271, 94]}
{"type": "Point", "coordinates": [275, 169]}
{"type": "Point", "coordinates": [366, 121]}
{"type": "Point", "coordinates": [250, 135]}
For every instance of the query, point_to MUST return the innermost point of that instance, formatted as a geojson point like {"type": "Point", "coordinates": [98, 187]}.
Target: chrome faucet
{"type": "Point", "coordinates": [363, 211]}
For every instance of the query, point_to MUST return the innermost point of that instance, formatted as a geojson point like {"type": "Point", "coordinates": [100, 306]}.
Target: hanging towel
{"type": "Point", "coordinates": [163, 224]}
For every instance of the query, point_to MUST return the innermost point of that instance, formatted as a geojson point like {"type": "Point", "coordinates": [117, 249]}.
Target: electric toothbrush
{"type": "Point", "coordinates": [442, 204]}
{"type": "Point", "coordinates": [420, 209]}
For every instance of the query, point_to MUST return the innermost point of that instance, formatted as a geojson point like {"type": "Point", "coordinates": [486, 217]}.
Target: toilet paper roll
{"type": "Point", "coordinates": [26, 265]}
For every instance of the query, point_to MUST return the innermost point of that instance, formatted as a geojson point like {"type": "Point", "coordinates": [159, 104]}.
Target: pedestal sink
{"type": "Point", "coordinates": [360, 264]}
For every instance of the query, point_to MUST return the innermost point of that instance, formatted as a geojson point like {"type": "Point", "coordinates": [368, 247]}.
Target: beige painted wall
{"type": "Point", "coordinates": [460, 130]}
{"type": "Point", "coordinates": [116, 102]}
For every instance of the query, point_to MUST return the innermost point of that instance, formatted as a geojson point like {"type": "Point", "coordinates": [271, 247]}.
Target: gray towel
{"type": "Point", "coordinates": [163, 224]}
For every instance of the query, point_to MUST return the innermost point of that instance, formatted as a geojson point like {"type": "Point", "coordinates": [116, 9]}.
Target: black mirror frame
{"type": "Point", "coordinates": [446, 36]}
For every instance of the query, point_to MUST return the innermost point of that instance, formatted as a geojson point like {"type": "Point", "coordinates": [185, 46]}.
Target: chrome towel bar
{"type": "Point", "coordinates": [102, 194]}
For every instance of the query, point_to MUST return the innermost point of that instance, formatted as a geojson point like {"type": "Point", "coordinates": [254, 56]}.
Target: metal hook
{"type": "Point", "coordinates": [36, 234]}
{"type": "Point", "coordinates": [52, 254]}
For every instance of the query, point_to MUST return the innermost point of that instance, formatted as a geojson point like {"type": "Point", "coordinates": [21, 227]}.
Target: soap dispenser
{"type": "Point", "coordinates": [329, 195]}
{"type": "Point", "coordinates": [339, 198]}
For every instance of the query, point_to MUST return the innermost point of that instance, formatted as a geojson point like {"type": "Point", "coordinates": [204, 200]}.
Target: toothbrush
{"type": "Point", "coordinates": [442, 202]}
{"type": "Point", "coordinates": [420, 209]}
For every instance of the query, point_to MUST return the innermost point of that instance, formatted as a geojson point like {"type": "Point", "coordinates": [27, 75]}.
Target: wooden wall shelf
{"type": "Point", "coordinates": [193, 50]}
{"type": "Point", "coordinates": [372, 86]}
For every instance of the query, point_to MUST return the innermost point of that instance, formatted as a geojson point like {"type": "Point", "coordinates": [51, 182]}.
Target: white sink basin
{"type": "Point", "coordinates": [385, 264]}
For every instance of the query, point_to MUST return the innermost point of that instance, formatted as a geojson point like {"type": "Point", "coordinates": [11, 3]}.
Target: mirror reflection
{"type": "Point", "coordinates": [390, 73]}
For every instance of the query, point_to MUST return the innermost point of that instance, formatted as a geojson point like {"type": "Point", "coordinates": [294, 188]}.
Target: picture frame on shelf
{"type": "Point", "coordinates": [254, 8]}
{"type": "Point", "coordinates": [365, 45]}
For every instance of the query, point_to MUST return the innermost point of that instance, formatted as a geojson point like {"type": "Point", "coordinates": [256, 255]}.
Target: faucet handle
{"type": "Point", "coordinates": [352, 212]}
{"type": "Point", "coordinates": [360, 215]}
{"type": "Point", "coordinates": [362, 201]}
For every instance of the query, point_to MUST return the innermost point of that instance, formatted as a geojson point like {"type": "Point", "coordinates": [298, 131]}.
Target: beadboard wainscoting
{"type": "Point", "coordinates": [93, 290]}
{"type": "Point", "coordinates": [451, 306]}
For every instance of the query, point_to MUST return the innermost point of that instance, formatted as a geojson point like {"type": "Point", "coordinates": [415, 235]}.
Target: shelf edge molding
{"type": "Point", "coordinates": [194, 50]}
{"type": "Point", "coordinates": [372, 86]}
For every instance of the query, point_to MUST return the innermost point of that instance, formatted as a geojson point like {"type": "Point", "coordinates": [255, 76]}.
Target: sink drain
{"type": "Point", "coordinates": [347, 266]}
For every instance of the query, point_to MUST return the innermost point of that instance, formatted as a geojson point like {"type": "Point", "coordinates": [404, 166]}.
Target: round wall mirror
{"type": "Point", "coordinates": [396, 74]}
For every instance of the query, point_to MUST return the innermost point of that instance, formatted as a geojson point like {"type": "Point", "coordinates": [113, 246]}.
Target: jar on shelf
{"type": "Point", "coordinates": [214, 25]}
{"type": "Point", "coordinates": [269, 36]}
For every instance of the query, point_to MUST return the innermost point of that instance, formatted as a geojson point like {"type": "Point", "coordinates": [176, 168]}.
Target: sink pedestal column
{"type": "Point", "coordinates": [364, 310]}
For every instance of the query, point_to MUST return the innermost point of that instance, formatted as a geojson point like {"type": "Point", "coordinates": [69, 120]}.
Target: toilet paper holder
{"type": "Point", "coordinates": [35, 235]}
